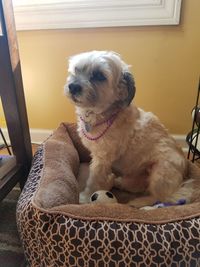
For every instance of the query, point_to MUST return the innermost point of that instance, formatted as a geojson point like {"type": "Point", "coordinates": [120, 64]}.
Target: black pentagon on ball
{"type": "Point", "coordinates": [94, 197]}
{"type": "Point", "coordinates": [109, 194]}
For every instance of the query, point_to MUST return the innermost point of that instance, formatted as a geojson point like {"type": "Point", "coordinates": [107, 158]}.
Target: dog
{"type": "Point", "coordinates": [130, 148]}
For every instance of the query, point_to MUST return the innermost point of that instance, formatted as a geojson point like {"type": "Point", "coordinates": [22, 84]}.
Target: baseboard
{"type": "Point", "coordinates": [40, 135]}
{"type": "Point", "coordinates": [181, 140]}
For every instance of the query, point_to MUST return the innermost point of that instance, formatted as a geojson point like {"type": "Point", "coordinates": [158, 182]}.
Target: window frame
{"type": "Point", "coordinates": [95, 13]}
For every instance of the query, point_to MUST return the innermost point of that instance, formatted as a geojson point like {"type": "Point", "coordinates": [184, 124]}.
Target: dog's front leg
{"type": "Point", "coordinates": [100, 178]}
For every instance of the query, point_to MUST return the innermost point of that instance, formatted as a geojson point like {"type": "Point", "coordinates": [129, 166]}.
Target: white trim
{"type": "Point", "coordinates": [49, 14]}
{"type": "Point", "coordinates": [40, 135]}
{"type": "Point", "coordinates": [181, 140]}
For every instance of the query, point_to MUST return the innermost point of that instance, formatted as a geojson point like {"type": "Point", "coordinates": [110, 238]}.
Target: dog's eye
{"type": "Point", "coordinates": [97, 76]}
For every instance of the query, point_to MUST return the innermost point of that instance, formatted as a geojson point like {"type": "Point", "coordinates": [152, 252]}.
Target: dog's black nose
{"type": "Point", "coordinates": [74, 88]}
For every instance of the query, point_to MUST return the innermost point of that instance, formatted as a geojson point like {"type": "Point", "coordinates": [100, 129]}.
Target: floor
{"type": "Point", "coordinates": [11, 252]}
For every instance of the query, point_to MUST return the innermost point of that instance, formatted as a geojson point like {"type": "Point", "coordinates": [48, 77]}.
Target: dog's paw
{"type": "Point", "coordinates": [118, 183]}
{"type": "Point", "coordinates": [84, 198]}
{"type": "Point", "coordinates": [148, 208]}
{"type": "Point", "coordinates": [110, 180]}
{"type": "Point", "coordinates": [142, 202]}
{"type": "Point", "coordinates": [136, 204]}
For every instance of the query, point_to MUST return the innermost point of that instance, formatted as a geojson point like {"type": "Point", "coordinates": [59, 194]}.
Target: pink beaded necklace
{"type": "Point", "coordinates": [108, 123]}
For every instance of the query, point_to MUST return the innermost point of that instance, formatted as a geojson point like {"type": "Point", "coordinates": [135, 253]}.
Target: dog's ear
{"type": "Point", "coordinates": [127, 83]}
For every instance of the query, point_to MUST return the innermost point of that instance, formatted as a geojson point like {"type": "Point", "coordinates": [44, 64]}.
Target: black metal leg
{"type": "Point", "coordinates": [4, 140]}
{"type": "Point", "coordinates": [194, 135]}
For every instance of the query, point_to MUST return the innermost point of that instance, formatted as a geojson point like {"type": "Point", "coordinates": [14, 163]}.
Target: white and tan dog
{"type": "Point", "coordinates": [130, 148]}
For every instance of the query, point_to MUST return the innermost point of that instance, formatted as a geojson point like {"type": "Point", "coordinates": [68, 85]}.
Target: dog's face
{"type": "Point", "coordinates": [99, 79]}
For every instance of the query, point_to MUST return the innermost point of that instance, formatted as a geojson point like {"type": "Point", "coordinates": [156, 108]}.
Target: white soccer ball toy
{"type": "Point", "coordinates": [103, 196]}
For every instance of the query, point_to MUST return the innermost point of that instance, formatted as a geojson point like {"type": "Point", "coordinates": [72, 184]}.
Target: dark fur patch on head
{"type": "Point", "coordinates": [109, 194]}
{"type": "Point", "coordinates": [130, 87]}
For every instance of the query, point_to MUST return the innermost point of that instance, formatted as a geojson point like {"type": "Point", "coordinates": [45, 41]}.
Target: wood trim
{"type": "Point", "coordinates": [10, 180]}
{"type": "Point", "coordinates": [13, 100]}
{"type": "Point", "coordinates": [11, 89]}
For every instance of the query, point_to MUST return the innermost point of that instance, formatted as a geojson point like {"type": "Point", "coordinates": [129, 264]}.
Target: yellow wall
{"type": "Point", "coordinates": [165, 61]}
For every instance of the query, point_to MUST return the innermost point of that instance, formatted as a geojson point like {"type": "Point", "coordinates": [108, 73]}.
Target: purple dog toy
{"type": "Point", "coordinates": [159, 204]}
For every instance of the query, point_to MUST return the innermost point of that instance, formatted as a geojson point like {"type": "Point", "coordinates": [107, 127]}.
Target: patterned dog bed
{"type": "Point", "coordinates": [94, 235]}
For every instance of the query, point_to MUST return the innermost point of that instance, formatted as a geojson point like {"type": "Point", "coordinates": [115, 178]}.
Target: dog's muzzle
{"type": "Point", "coordinates": [75, 88]}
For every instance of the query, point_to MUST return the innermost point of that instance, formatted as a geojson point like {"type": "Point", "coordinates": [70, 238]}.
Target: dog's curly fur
{"type": "Point", "coordinates": [135, 152]}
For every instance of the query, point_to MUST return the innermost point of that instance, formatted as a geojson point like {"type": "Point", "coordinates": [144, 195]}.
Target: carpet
{"type": "Point", "coordinates": [11, 252]}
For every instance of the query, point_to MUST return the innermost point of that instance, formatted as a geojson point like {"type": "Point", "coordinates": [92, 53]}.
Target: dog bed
{"type": "Point", "coordinates": [56, 230]}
